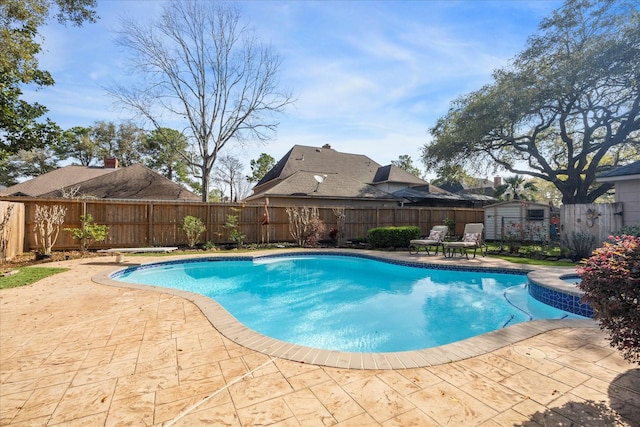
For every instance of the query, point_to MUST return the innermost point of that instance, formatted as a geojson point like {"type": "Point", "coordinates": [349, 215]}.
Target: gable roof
{"type": "Point", "coordinates": [392, 173]}
{"type": "Point", "coordinates": [55, 180]}
{"type": "Point", "coordinates": [630, 171]}
{"type": "Point", "coordinates": [133, 182]}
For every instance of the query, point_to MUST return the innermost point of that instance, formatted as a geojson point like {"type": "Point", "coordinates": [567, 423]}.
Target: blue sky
{"type": "Point", "coordinates": [370, 77]}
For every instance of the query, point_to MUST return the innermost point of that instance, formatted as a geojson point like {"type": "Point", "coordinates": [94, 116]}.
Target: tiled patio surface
{"type": "Point", "coordinates": [74, 352]}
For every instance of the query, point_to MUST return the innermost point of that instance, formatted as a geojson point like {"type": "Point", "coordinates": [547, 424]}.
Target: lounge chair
{"type": "Point", "coordinates": [435, 238]}
{"type": "Point", "coordinates": [472, 238]}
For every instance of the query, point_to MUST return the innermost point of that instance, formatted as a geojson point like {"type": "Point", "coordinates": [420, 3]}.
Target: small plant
{"type": "Point", "coordinates": [193, 228]}
{"type": "Point", "coordinates": [611, 283]}
{"type": "Point", "coordinates": [579, 245]}
{"type": "Point", "coordinates": [304, 224]}
{"type": "Point", "coordinates": [315, 228]}
{"type": "Point", "coordinates": [88, 233]}
{"type": "Point", "coordinates": [333, 235]}
{"type": "Point", "coordinates": [451, 223]}
{"type": "Point", "coordinates": [231, 226]}
{"type": "Point", "coordinates": [209, 246]}
{"type": "Point", "coordinates": [46, 229]}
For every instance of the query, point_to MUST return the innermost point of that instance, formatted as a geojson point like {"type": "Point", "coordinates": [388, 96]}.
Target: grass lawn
{"type": "Point", "coordinates": [28, 275]}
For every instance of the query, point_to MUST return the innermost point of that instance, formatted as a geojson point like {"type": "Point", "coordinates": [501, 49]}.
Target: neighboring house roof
{"type": "Point", "coordinates": [478, 186]}
{"type": "Point", "coordinates": [343, 175]}
{"type": "Point", "coordinates": [392, 173]}
{"type": "Point", "coordinates": [133, 182]}
{"type": "Point", "coordinates": [55, 180]}
{"type": "Point", "coordinates": [622, 173]}
{"type": "Point", "coordinates": [518, 202]}
{"type": "Point", "coordinates": [433, 193]}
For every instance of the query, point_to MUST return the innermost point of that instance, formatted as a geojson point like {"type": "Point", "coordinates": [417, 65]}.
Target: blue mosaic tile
{"type": "Point", "coordinates": [561, 300]}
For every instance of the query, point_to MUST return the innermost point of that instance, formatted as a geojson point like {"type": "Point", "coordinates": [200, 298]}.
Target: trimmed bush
{"type": "Point", "coordinates": [392, 237]}
{"type": "Point", "coordinates": [628, 230]}
{"type": "Point", "coordinates": [611, 283]}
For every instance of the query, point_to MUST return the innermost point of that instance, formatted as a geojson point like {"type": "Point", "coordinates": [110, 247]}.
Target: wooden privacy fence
{"type": "Point", "coordinates": [598, 219]}
{"type": "Point", "coordinates": [11, 230]}
{"type": "Point", "coordinates": [157, 223]}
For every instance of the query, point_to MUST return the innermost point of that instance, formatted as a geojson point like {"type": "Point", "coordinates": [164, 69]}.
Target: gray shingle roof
{"type": "Point", "coordinates": [347, 175]}
{"type": "Point", "coordinates": [630, 169]}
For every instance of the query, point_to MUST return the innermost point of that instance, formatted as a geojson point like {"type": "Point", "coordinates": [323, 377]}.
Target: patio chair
{"type": "Point", "coordinates": [435, 238]}
{"type": "Point", "coordinates": [472, 238]}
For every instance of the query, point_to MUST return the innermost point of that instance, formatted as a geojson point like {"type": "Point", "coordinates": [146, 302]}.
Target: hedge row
{"type": "Point", "coordinates": [392, 237]}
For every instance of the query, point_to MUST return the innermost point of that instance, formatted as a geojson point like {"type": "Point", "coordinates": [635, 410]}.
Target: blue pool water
{"type": "Point", "coordinates": [351, 303]}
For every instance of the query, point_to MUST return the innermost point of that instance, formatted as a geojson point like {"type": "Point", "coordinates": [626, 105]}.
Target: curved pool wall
{"type": "Point", "coordinates": [237, 332]}
{"type": "Point", "coordinates": [549, 287]}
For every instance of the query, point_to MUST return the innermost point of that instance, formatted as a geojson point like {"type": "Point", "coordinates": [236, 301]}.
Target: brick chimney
{"type": "Point", "coordinates": [110, 163]}
{"type": "Point", "coordinates": [497, 181]}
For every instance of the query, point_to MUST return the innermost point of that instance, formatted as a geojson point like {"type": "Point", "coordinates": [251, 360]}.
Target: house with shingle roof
{"type": "Point", "coordinates": [135, 182]}
{"type": "Point", "coordinates": [626, 180]}
{"type": "Point", "coordinates": [322, 176]}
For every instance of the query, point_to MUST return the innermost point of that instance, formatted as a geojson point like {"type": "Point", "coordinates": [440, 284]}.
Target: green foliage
{"type": "Point", "coordinates": [628, 230]}
{"type": "Point", "coordinates": [28, 275]}
{"type": "Point", "coordinates": [89, 232]}
{"type": "Point", "coordinates": [516, 188]}
{"type": "Point", "coordinates": [231, 225]}
{"type": "Point", "coordinates": [405, 163]}
{"type": "Point", "coordinates": [611, 283]}
{"type": "Point", "coordinates": [193, 228]}
{"type": "Point", "coordinates": [165, 151]}
{"type": "Point", "coordinates": [260, 167]}
{"type": "Point", "coordinates": [392, 237]}
{"type": "Point", "coordinates": [566, 107]}
{"type": "Point", "coordinates": [20, 124]}
{"type": "Point", "coordinates": [451, 223]}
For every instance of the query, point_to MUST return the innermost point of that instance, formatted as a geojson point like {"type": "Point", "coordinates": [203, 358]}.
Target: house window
{"type": "Point", "coordinates": [535, 214]}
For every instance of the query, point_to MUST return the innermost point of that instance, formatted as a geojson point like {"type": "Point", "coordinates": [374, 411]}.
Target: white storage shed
{"type": "Point", "coordinates": [517, 219]}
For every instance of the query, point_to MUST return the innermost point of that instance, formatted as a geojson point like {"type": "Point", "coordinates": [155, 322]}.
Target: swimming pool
{"type": "Point", "coordinates": [353, 304]}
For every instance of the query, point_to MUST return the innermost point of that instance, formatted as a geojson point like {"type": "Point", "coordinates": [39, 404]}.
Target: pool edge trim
{"type": "Point", "coordinates": [225, 323]}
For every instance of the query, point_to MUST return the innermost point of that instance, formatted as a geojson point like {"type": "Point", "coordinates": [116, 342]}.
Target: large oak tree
{"type": "Point", "coordinates": [567, 107]}
{"type": "Point", "coordinates": [200, 66]}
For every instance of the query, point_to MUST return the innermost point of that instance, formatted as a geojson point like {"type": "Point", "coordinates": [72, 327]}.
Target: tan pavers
{"type": "Point", "coordinates": [73, 352]}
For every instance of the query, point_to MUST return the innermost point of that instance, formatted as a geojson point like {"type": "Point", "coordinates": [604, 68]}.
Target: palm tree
{"type": "Point", "coordinates": [516, 188]}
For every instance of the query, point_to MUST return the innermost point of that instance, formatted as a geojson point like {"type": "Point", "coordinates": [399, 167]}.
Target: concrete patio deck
{"type": "Point", "coordinates": [74, 352]}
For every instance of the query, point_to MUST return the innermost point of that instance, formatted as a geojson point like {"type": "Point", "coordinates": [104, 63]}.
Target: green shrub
{"type": "Point", "coordinates": [232, 226]}
{"type": "Point", "coordinates": [579, 245]}
{"type": "Point", "coordinates": [392, 237]}
{"type": "Point", "coordinates": [611, 283]}
{"type": "Point", "coordinates": [193, 228]}
{"type": "Point", "coordinates": [89, 232]}
{"type": "Point", "coordinates": [628, 230]}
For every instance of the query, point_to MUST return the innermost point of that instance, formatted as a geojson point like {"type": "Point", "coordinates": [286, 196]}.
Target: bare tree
{"type": "Point", "coordinates": [228, 175]}
{"type": "Point", "coordinates": [200, 65]}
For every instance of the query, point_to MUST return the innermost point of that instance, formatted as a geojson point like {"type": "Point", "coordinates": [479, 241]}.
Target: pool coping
{"type": "Point", "coordinates": [237, 332]}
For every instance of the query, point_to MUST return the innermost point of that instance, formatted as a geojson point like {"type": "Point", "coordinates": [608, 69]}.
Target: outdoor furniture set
{"type": "Point", "coordinates": [471, 239]}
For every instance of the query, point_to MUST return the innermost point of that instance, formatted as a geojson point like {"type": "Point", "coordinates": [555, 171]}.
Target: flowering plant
{"type": "Point", "coordinates": [611, 283]}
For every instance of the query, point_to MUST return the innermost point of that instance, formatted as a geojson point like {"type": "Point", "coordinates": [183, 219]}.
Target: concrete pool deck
{"type": "Point", "coordinates": [75, 352]}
